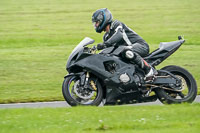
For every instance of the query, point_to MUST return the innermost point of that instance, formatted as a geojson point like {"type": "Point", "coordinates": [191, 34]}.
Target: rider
{"type": "Point", "coordinates": [117, 34]}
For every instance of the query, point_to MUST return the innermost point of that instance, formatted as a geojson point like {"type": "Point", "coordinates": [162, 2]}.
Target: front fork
{"type": "Point", "coordinates": [86, 80]}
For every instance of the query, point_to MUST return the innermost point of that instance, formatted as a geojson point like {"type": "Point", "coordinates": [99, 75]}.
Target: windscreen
{"type": "Point", "coordinates": [83, 43]}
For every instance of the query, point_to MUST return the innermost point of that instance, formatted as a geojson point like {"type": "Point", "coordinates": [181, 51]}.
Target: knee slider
{"type": "Point", "coordinates": [129, 54]}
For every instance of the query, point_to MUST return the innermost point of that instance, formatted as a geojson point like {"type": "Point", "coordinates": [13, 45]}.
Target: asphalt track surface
{"type": "Point", "coordinates": [58, 104]}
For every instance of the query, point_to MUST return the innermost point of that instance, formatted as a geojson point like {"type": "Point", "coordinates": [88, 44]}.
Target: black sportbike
{"type": "Point", "coordinates": [107, 78]}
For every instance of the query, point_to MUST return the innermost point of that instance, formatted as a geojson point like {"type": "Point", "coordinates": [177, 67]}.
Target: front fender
{"type": "Point", "coordinates": [74, 74]}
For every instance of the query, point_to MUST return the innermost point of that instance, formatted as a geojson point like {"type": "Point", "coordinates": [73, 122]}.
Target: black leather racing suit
{"type": "Point", "coordinates": [120, 34]}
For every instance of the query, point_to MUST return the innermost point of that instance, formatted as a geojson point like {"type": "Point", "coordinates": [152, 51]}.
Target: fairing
{"type": "Point", "coordinates": [86, 41]}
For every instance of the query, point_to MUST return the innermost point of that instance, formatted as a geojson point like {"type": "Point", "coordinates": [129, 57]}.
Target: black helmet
{"type": "Point", "coordinates": [103, 17]}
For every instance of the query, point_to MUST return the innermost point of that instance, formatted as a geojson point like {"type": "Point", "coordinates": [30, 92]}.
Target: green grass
{"type": "Point", "coordinates": [182, 118]}
{"type": "Point", "coordinates": [36, 38]}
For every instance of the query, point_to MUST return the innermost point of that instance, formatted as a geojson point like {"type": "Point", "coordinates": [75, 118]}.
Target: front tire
{"type": "Point", "coordinates": [73, 94]}
{"type": "Point", "coordinates": [189, 92]}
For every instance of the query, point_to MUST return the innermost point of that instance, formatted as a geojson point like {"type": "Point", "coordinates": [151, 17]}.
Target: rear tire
{"type": "Point", "coordinates": [69, 97]}
{"type": "Point", "coordinates": [169, 97]}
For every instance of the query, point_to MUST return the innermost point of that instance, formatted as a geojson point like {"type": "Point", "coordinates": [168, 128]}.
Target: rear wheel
{"type": "Point", "coordinates": [189, 87]}
{"type": "Point", "coordinates": [75, 94]}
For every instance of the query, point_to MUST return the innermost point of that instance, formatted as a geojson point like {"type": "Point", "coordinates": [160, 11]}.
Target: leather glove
{"type": "Point", "coordinates": [101, 46]}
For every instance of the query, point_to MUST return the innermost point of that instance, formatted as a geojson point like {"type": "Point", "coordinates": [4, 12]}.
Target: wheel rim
{"type": "Point", "coordinates": [81, 95]}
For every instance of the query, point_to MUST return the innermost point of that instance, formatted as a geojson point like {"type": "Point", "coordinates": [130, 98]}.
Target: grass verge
{"type": "Point", "coordinates": [182, 118]}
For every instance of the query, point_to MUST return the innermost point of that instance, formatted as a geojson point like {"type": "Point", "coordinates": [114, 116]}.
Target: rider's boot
{"type": "Point", "coordinates": [150, 72]}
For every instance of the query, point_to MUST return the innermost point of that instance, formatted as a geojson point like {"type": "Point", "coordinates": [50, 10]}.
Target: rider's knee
{"type": "Point", "coordinates": [128, 54]}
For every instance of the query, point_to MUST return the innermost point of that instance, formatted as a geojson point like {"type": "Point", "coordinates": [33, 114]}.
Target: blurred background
{"type": "Point", "coordinates": [36, 38]}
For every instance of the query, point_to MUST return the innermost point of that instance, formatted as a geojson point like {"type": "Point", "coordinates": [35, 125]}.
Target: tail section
{"type": "Point", "coordinates": [164, 51]}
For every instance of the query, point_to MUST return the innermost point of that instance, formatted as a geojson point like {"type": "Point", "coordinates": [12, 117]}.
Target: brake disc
{"type": "Point", "coordinates": [184, 84]}
{"type": "Point", "coordinates": [84, 93]}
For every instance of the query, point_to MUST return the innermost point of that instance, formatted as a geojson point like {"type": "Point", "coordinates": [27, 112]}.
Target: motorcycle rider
{"type": "Point", "coordinates": [117, 33]}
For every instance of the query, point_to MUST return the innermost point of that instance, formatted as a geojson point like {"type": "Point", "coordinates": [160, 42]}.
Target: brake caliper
{"type": "Point", "coordinates": [93, 85]}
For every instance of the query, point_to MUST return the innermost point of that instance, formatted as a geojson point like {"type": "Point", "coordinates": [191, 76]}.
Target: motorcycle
{"type": "Point", "coordinates": [104, 77]}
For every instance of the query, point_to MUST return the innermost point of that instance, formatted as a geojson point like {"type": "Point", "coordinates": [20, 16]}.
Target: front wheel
{"type": "Point", "coordinates": [189, 87]}
{"type": "Point", "coordinates": [77, 94]}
